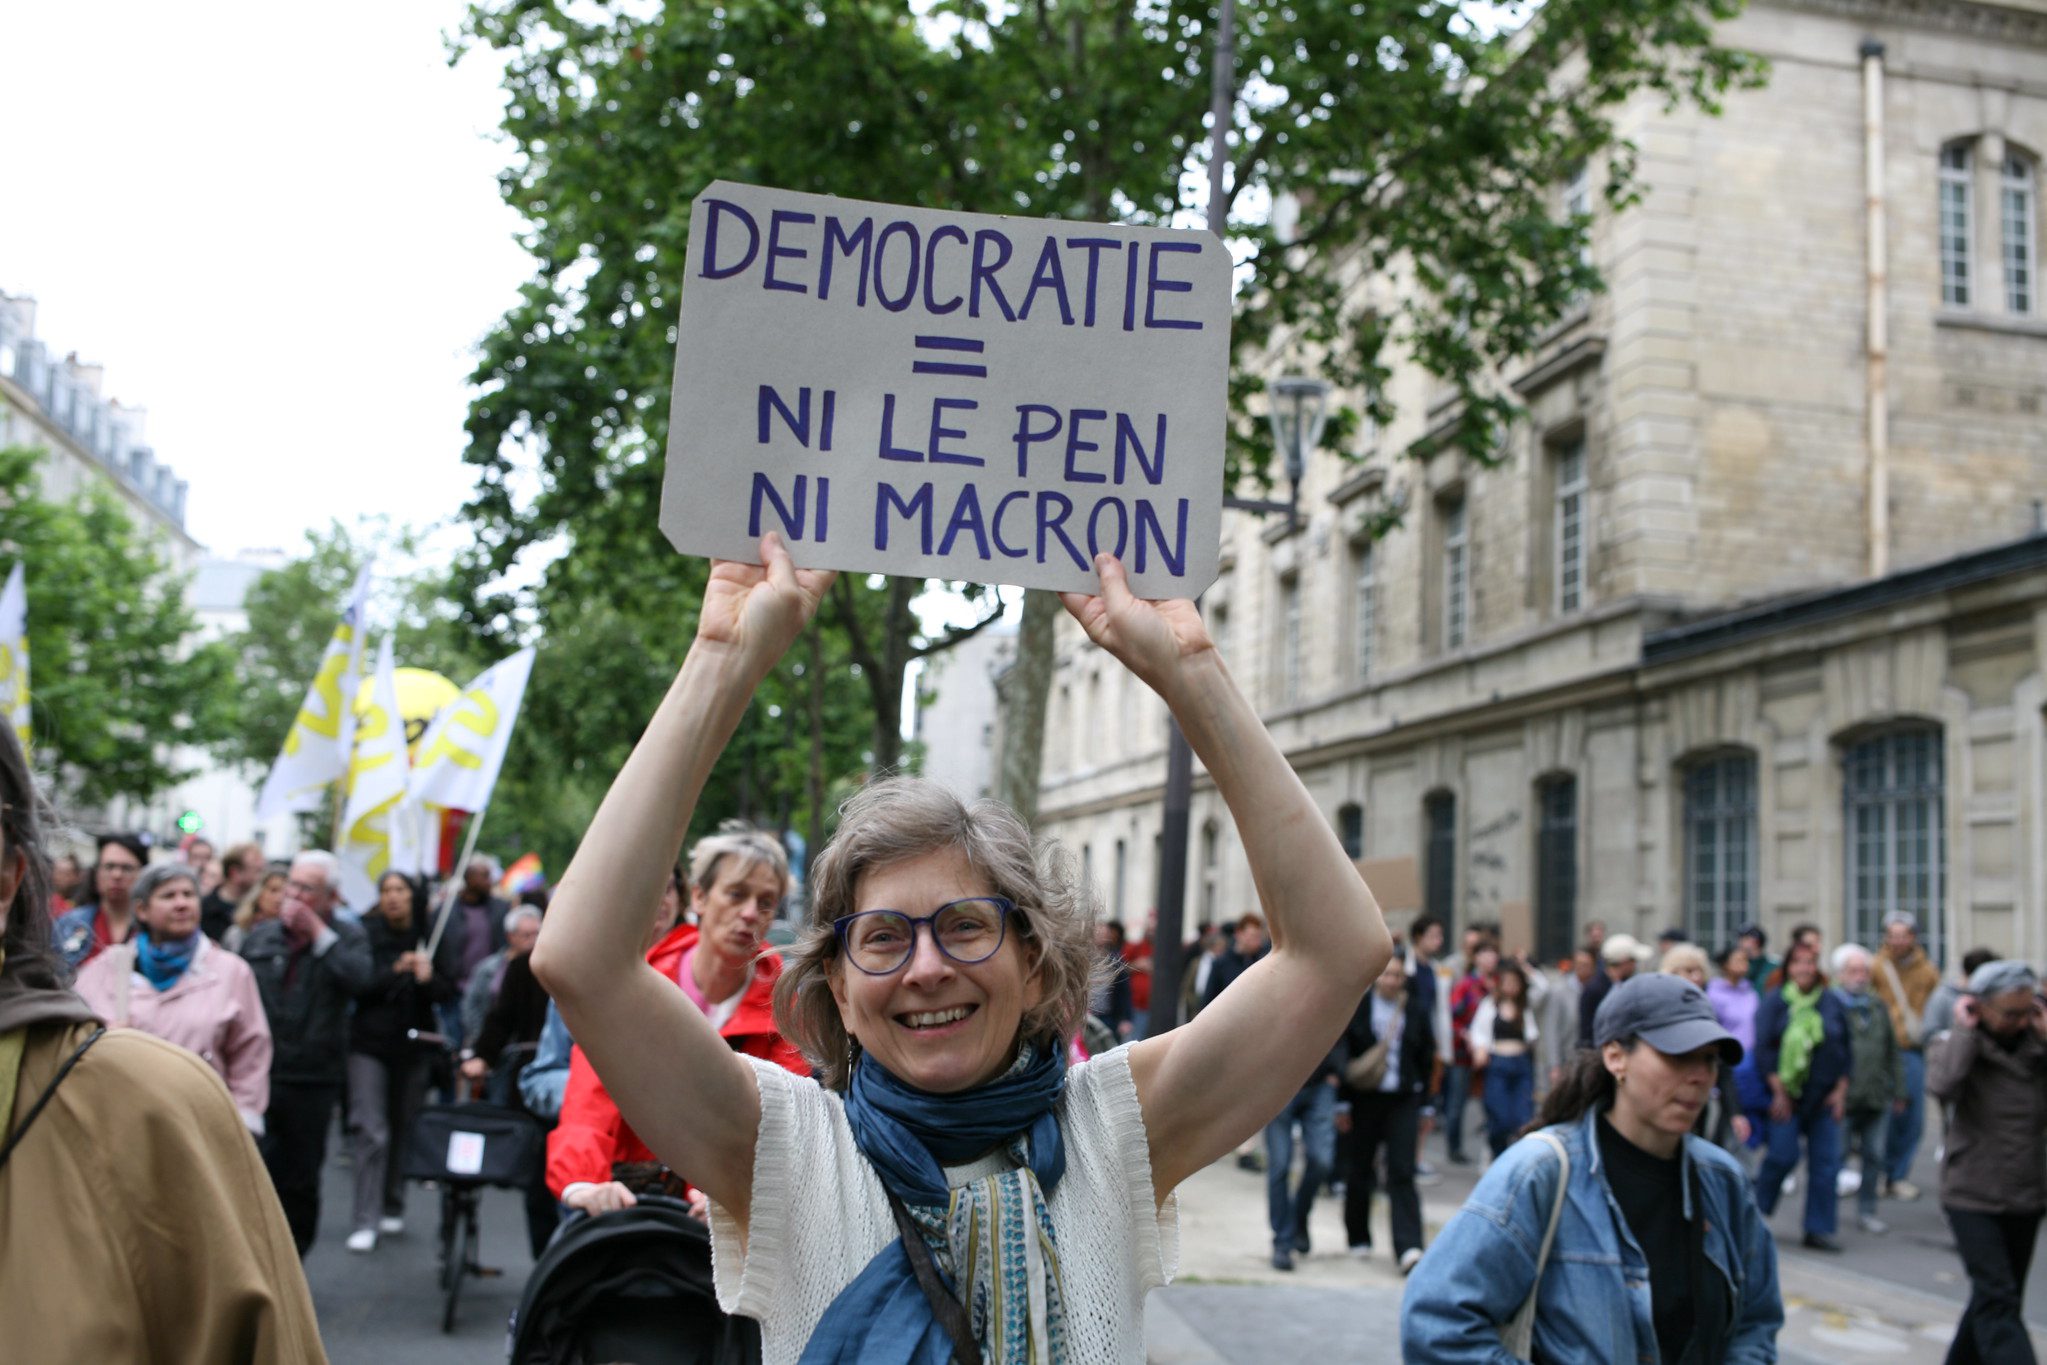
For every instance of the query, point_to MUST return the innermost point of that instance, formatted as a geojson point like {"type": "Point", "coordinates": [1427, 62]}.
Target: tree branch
{"type": "Point", "coordinates": [957, 635]}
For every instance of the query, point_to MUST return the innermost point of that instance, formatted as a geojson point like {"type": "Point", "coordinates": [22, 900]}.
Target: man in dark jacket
{"type": "Point", "coordinates": [1388, 1113]}
{"type": "Point", "coordinates": [309, 966]}
{"type": "Point", "coordinates": [1992, 1067]}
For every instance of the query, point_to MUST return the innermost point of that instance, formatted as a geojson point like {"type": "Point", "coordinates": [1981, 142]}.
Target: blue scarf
{"type": "Point", "coordinates": [163, 963]}
{"type": "Point", "coordinates": [994, 1233]}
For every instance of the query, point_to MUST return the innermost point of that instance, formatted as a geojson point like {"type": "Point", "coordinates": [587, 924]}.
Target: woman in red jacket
{"type": "Point", "coordinates": [737, 878]}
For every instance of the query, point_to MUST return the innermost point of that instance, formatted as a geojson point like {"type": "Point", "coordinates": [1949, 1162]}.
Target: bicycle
{"type": "Point", "coordinates": [463, 1147]}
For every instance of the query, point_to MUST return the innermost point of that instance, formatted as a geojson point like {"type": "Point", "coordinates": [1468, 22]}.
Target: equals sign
{"type": "Point", "coordinates": [954, 344]}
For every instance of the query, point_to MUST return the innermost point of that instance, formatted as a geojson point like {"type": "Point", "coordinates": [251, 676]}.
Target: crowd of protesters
{"type": "Point", "coordinates": [1645, 1109]}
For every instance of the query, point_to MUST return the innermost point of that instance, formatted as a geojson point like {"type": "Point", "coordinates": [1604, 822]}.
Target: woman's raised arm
{"type": "Point", "coordinates": [686, 1094]}
{"type": "Point", "coordinates": [1211, 1083]}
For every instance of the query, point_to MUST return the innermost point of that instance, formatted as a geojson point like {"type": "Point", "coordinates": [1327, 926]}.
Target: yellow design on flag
{"type": "Point", "coordinates": [373, 831]}
{"type": "Point", "coordinates": [14, 654]}
{"type": "Point", "coordinates": [463, 750]}
{"type": "Point", "coordinates": [316, 751]}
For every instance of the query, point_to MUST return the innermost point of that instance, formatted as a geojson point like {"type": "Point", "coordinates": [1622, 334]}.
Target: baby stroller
{"type": "Point", "coordinates": [631, 1285]}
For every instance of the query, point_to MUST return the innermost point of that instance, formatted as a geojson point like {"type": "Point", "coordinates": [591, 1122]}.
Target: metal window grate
{"type": "Point", "coordinates": [1894, 796]}
{"type": "Point", "coordinates": [2017, 211]}
{"type": "Point", "coordinates": [1571, 488]}
{"type": "Point", "coordinates": [1556, 873]}
{"type": "Point", "coordinates": [1439, 820]}
{"type": "Point", "coordinates": [1720, 847]}
{"type": "Point", "coordinates": [1365, 622]}
{"type": "Point", "coordinates": [1456, 577]}
{"type": "Point", "coordinates": [1954, 226]}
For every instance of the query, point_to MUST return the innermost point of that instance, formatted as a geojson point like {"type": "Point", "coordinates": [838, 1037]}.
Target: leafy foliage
{"type": "Point", "coordinates": [118, 677]}
{"type": "Point", "coordinates": [1417, 139]}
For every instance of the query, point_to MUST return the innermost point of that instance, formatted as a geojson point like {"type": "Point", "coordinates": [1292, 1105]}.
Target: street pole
{"type": "Point", "coordinates": [1168, 955]}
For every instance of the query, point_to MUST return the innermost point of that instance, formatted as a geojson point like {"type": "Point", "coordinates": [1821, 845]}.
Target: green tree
{"type": "Point", "coordinates": [1424, 135]}
{"type": "Point", "coordinates": [118, 676]}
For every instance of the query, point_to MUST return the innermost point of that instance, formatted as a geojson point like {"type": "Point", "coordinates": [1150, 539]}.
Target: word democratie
{"type": "Point", "coordinates": [948, 395]}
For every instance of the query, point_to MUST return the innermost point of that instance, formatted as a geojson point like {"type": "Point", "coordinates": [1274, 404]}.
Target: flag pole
{"type": "Point", "coordinates": [455, 879]}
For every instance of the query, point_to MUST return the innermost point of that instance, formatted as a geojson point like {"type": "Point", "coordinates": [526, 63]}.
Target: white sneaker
{"type": "Point", "coordinates": [1409, 1259]}
{"type": "Point", "coordinates": [1848, 1181]}
{"type": "Point", "coordinates": [1872, 1225]}
{"type": "Point", "coordinates": [390, 1225]}
{"type": "Point", "coordinates": [362, 1240]}
{"type": "Point", "coordinates": [1790, 1186]}
{"type": "Point", "coordinates": [1361, 1252]}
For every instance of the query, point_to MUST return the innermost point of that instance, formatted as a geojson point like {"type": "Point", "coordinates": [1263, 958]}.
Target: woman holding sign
{"type": "Point", "coordinates": [947, 1186]}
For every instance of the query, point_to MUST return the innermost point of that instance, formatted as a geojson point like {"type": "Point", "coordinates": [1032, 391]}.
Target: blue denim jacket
{"type": "Point", "coordinates": [1594, 1306]}
{"type": "Point", "coordinates": [542, 1080]}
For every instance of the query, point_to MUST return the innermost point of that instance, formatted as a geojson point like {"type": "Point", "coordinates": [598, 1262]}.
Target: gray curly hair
{"type": "Point", "coordinates": [905, 817]}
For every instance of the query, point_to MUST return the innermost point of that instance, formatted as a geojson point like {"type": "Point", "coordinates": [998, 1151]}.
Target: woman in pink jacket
{"type": "Point", "coordinates": [174, 982]}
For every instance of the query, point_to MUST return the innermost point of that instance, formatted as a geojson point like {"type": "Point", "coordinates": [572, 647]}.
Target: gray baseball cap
{"type": "Point", "coordinates": [1668, 1013]}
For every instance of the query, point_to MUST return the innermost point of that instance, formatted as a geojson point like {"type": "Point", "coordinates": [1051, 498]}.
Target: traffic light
{"type": "Point", "coordinates": [191, 822]}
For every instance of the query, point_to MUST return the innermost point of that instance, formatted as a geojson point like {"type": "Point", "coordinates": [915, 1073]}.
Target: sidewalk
{"type": "Point", "coordinates": [1228, 1306]}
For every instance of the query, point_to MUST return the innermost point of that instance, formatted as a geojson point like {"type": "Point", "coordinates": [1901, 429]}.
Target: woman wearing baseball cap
{"type": "Point", "coordinates": [1623, 1236]}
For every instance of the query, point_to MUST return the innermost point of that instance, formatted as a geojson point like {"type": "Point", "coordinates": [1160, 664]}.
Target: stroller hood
{"type": "Point", "coordinates": [634, 1285]}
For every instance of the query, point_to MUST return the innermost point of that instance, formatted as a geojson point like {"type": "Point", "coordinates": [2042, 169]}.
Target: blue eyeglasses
{"type": "Point", "coordinates": [881, 942]}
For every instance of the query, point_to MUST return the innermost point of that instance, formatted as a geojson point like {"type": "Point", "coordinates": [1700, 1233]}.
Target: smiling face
{"type": "Point", "coordinates": [172, 911]}
{"type": "Point", "coordinates": [939, 1025]}
{"type": "Point", "coordinates": [734, 915]}
{"type": "Point", "coordinates": [1659, 1091]}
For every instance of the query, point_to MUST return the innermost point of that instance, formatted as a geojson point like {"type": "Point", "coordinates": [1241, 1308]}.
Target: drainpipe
{"type": "Point", "coordinates": [1876, 381]}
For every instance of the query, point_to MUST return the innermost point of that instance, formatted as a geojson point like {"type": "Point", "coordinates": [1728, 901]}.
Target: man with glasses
{"type": "Point", "coordinates": [309, 968]}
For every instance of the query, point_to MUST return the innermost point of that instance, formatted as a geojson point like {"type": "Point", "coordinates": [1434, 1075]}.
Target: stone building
{"type": "Point", "coordinates": [56, 405]}
{"type": "Point", "coordinates": [1750, 620]}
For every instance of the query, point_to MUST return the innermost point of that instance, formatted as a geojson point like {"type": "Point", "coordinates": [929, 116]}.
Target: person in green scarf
{"type": "Point", "coordinates": [1803, 1054]}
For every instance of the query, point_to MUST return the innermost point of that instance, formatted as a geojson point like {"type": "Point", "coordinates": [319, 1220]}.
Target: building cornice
{"type": "Point", "coordinates": [1988, 22]}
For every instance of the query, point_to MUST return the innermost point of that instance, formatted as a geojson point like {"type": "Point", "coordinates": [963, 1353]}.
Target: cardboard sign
{"type": "Point", "coordinates": [948, 395]}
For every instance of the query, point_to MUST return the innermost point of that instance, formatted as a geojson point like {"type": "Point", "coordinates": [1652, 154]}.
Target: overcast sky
{"type": "Point", "coordinates": [278, 228]}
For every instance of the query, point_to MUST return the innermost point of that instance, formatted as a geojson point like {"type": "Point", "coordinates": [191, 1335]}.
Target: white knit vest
{"type": "Point", "coordinates": [820, 1215]}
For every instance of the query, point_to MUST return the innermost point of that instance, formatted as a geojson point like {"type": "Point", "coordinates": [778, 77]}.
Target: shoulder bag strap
{"type": "Point", "coordinates": [1900, 1007]}
{"type": "Point", "coordinates": [123, 974]}
{"type": "Point", "coordinates": [950, 1312]}
{"type": "Point", "coordinates": [36, 1109]}
{"type": "Point", "coordinates": [1518, 1336]}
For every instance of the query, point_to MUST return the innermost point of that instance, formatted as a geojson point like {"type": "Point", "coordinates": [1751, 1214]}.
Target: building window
{"type": "Point", "coordinates": [1570, 569]}
{"type": "Point", "coordinates": [1720, 847]}
{"type": "Point", "coordinates": [2017, 205]}
{"type": "Point", "coordinates": [1556, 867]}
{"type": "Point", "coordinates": [1578, 206]}
{"type": "Point", "coordinates": [1894, 798]}
{"type": "Point", "coordinates": [1364, 610]}
{"type": "Point", "coordinates": [1350, 828]}
{"type": "Point", "coordinates": [1954, 225]}
{"type": "Point", "coordinates": [1456, 576]}
{"type": "Point", "coordinates": [1290, 639]}
{"type": "Point", "coordinates": [1439, 833]}
{"type": "Point", "coordinates": [1116, 891]}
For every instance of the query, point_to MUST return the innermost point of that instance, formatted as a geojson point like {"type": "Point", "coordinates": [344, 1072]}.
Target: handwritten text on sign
{"type": "Point", "coordinates": [948, 395]}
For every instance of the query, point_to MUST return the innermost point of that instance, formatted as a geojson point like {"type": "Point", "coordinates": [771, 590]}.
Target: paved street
{"type": "Point", "coordinates": [1891, 1299]}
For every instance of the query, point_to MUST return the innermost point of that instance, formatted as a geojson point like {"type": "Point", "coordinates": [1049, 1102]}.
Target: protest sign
{"type": "Point", "coordinates": [948, 395]}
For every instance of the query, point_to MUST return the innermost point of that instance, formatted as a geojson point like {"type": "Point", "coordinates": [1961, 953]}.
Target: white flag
{"type": "Point", "coordinates": [317, 748]}
{"type": "Point", "coordinates": [461, 752]}
{"type": "Point", "coordinates": [373, 835]}
{"type": "Point", "coordinates": [14, 654]}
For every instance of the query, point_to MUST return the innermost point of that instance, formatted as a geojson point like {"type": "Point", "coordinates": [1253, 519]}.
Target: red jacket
{"type": "Point", "coordinates": [591, 1134]}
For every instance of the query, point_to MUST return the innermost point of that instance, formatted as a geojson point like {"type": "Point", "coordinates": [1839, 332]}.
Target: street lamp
{"type": "Point", "coordinates": [1299, 406]}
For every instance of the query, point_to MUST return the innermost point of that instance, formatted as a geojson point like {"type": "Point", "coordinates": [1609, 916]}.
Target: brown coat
{"type": "Point", "coordinates": [1994, 1160]}
{"type": "Point", "coordinates": [137, 1223]}
{"type": "Point", "coordinates": [1919, 978]}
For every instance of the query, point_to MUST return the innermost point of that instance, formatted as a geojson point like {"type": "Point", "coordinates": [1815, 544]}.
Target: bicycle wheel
{"type": "Point", "coordinates": [456, 1268]}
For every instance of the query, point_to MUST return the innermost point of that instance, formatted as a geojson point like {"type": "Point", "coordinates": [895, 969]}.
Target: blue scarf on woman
{"type": "Point", "coordinates": [994, 1232]}
{"type": "Point", "coordinates": [163, 963]}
